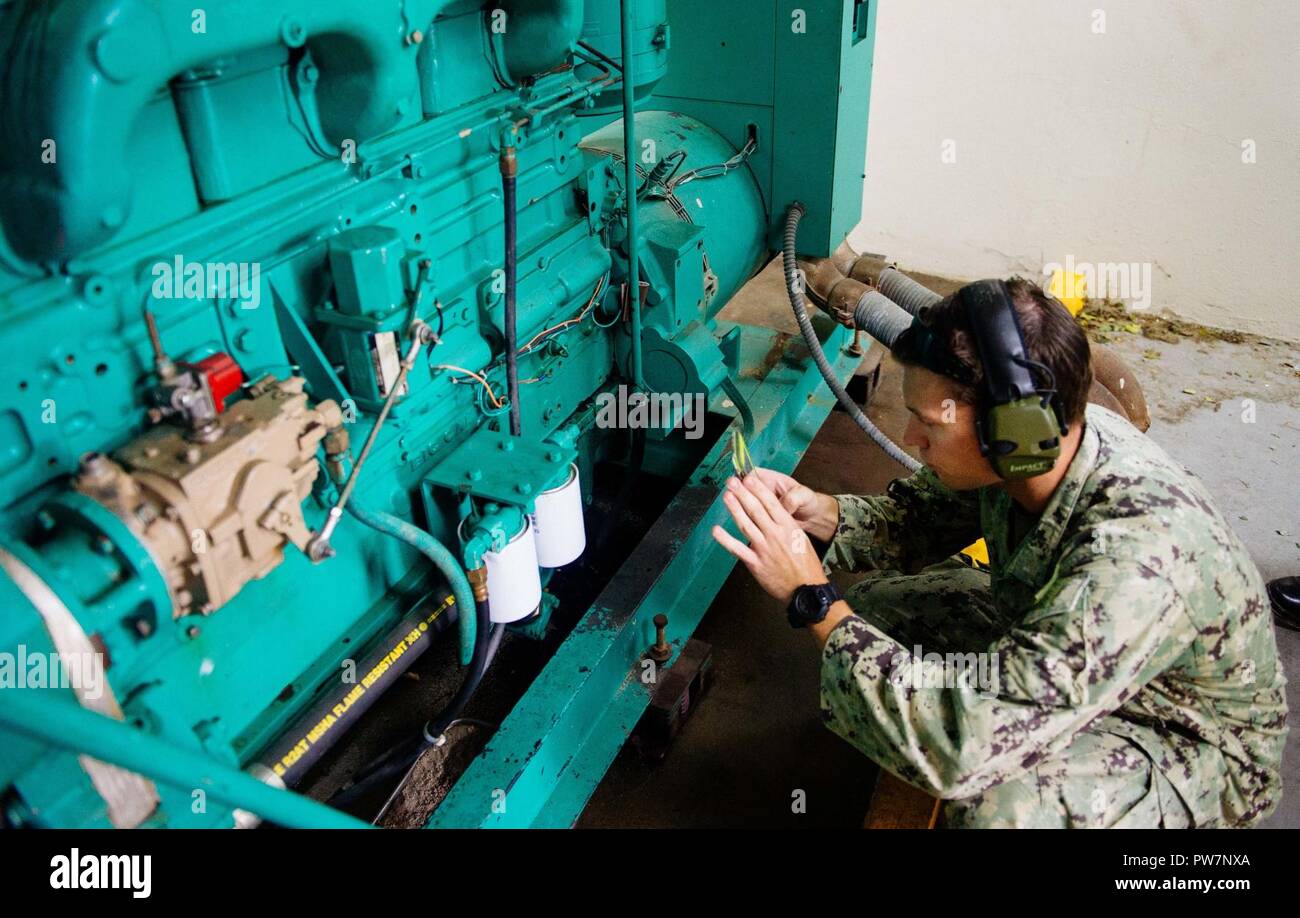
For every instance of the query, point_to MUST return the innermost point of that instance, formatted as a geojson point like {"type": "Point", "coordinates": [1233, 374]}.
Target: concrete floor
{"type": "Point", "coordinates": [756, 739]}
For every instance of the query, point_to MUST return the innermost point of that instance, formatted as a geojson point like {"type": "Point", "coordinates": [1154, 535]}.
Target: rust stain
{"type": "Point", "coordinates": [770, 359]}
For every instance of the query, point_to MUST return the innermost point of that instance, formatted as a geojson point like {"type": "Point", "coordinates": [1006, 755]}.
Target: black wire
{"type": "Point", "coordinates": [605, 58]}
{"type": "Point", "coordinates": [1049, 392]}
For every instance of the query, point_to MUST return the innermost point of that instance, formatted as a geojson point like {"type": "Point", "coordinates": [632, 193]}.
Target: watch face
{"type": "Point", "coordinates": [808, 602]}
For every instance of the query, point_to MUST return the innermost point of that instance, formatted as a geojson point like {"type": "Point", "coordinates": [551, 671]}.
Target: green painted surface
{"type": "Point", "coordinates": [801, 72]}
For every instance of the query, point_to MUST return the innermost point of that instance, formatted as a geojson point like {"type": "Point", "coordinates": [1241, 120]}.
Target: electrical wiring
{"type": "Point", "coordinates": [479, 378]}
{"type": "Point", "coordinates": [715, 170]}
{"type": "Point", "coordinates": [496, 404]}
{"type": "Point", "coordinates": [591, 302]}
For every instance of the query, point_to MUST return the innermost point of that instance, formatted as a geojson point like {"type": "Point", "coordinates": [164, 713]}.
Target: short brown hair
{"type": "Point", "coordinates": [1052, 337]}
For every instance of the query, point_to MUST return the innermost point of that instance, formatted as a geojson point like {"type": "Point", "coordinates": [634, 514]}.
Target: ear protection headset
{"type": "Point", "coordinates": [1018, 423]}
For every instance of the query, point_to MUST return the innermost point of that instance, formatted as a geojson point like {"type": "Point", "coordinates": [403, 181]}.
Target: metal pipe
{"type": "Point", "coordinates": [629, 161]}
{"type": "Point", "coordinates": [319, 548]}
{"type": "Point", "coordinates": [50, 718]}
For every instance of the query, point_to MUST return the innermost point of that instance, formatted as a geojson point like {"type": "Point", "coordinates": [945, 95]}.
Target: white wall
{"type": "Point", "coordinates": [1120, 147]}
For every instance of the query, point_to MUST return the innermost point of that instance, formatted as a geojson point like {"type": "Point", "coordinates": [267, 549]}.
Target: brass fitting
{"type": "Point", "coordinates": [478, 581]}
{"type": "Point", "coordinates": [509, 164]}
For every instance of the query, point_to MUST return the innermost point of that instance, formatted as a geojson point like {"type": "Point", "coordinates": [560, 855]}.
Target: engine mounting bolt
{"type": "Point", "coordinates": [415, 37]}
{"type": "Point", "coordinates": [660, 650]}
{"type": "Point", "coordinates": [193, 631]}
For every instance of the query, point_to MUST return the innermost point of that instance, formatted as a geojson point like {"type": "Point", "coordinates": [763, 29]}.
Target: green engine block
{"type": "Point", "coordinates": [219, 226]}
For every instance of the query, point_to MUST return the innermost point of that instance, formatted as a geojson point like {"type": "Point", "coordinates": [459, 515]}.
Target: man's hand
{"type": "Point", "coordinates": [779, 554]}
{"type": "Point", "coordinates": [817, 514]}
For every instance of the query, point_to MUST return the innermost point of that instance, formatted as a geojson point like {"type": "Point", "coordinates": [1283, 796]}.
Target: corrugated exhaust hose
{"type": "Point", "coordinates": [880, 317]}
{"type": "Point", "coordinates": [794, 287]}
{"type": "Point", "coordinates": [906, 292]}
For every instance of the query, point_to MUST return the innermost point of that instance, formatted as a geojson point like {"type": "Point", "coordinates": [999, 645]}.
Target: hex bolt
{"type": "Point", "coordinates": [660, 650]}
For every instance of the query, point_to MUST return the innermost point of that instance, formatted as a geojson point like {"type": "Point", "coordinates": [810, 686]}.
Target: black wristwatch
{"type": "Point", "coordinates": [811, 603]}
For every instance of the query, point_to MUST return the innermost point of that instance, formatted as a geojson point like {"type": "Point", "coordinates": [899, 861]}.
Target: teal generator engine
{"type": "Point", "coordinates": [339, 330]}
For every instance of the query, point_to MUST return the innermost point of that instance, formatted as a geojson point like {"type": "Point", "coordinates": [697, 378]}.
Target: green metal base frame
{"type": "Point", "coordinates": [547, 758]}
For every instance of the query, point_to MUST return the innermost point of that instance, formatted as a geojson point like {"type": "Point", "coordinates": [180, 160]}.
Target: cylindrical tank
{"type": "Point", "coordinates": [602, 29]}
{"type": "Point", "coordinates": [558, 525]}
{"type": "Point", "coordinates": [729, 207]}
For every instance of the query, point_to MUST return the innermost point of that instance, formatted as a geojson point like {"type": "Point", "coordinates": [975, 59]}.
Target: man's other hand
{"type": "Point", "coordinates": [779, 554]}
{"type": "Point", "coordinates": [817, 514]}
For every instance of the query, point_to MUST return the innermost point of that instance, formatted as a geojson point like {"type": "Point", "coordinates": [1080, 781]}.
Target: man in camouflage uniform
{"type": "Point", "coordinates": [1137, 679]}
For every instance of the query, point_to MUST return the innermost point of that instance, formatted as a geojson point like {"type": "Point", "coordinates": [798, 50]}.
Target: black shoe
{"type": "Point", "coordinates": [1284, 592]}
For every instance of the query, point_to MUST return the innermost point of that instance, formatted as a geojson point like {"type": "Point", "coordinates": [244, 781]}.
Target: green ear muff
{"type": "Point", "coordinates": [1021, 429]}
{"type": "Point", "coordinates": [1023, 439]}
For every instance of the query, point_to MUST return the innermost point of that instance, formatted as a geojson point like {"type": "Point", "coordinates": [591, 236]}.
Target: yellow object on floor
{"type": "Point", "coordinates": [1070, 289]}
{"type": "Point", "coordinates": [979, 552]}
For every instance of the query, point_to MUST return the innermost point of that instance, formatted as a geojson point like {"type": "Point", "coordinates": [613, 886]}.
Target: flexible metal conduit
{"type": "Point", "coordinates": [794, 287]}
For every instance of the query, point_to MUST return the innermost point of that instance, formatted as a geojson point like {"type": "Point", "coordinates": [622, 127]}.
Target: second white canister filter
{"type": "Point", "coordinates": [558, 526]}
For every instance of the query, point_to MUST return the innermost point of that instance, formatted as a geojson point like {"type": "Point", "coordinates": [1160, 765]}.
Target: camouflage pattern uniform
{"type": "Point", "coordinates": [1138, 682]}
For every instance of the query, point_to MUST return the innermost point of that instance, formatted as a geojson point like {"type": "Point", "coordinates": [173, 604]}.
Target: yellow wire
{"type": "Point", "coordinates": [595, 295]}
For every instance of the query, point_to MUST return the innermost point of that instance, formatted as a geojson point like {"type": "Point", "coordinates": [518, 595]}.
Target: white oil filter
{"type": "Point", "coordinates": [558, 525]}
{"type": "Point", "coordinates": [514, 582]}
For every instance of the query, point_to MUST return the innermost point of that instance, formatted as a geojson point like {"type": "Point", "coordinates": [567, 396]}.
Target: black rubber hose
{"type": "Point", "coordinates": [282, 757]}
{"type": "Point", "coordinates": [400, 758]}
{"type": "Point", "coordinates": [483, 653]}
{"type": "Point", "coordinates": [508, 189]}
{"type": "Point", "coordinates": [794, 286]}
